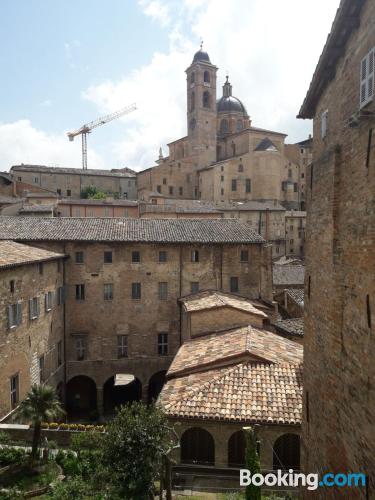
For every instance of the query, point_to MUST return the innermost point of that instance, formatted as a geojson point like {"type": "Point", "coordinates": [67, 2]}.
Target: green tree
{"type": "Point", "coordinates": [134, 446]}
{"type": "Point", "coordinates": [41, 405]}
{"type": "Point", "coordinates": [252, 463]}
{"type": "Point", "coordinates": [92, 193]}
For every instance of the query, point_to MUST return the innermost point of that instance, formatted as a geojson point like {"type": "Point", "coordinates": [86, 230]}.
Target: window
{"type": "Point", "coordinates": [234, 184]}
{"type": "Point", "coordinates": [206, 77]}
{"type": "Point", "coordinates": [302, 175]}
{"type": "Point", "coordinates": [59, 353]}
{"type": "Point", "coordinates": [136, 257]}
{"type": "Point", "coordinates": [163, 291]}
{"type": "Point", "coordinates": [80, 292]}
{"type": "Point", "coordinates": [244, 255]}
{"type": "Point", "coordinates": [324, 124]}
{"type": "Point", "coordinates": [48, 300]}
{"type": "Point", "coordinates": [284, 185]}
{"type": "Point", "coordinates": [291, 242]}
{"type": "Point", "coordinates": [206, 99]}
{"type": "Point", "coordinates": [277, 250]}
{"type": "Point", "coordinates": [163, 344]}
{"type": "Point", "coordinates": [170, 189]}
{"type": "Point", "coordinates": [14, 391]}
{"type": "Point", "coordinates": [41, 369]}
{"type": "Point", "coordinates": [79, 257]}
{"type": "Point", "coordinates": [162, 256]}
{"type": "Point", "coordinates": [240, 167]}
{"type": "Point", "coordinates": [122, 346]}
{"type": "Point", "coordinates": [248, 186]}
{"type": "Point", "coordinates": [158, 189]}
{"type": "Point", "coordinates": [222, 191]}
{"type": "Point", "coordinates": [367, 78]}
{"type": "Point", "coordinates": [239, 125]}
{"type": "Point", "coordinates": [58, 191]}
{"type": "Point", "coordinates": [34, 308]}
{"type": "Point", "coordinates": [40, 268]}
{"type": "Point", "coordinates": [14, 315]}
{"type": "Point", "coordinates": [222, 168]}
{"type": "Point", "coordinates": [80, 347]}
{"type": "Point", "coordinates": [108, 291]}
{"type": "Point", "coordinates": [11, 286]}
{"type": "Point", "coordinates": [195, 256]}
{"type": "Point", "coordinates": [194, 286]}
{"type": "Point", "coordinates": [19, 179]}
{"type": "Point", "coordinates": [164, 181]}
{"type": "Point", "coordinates": [224, 127]}
{"type": "Point", "coordinates": [295, 187]}
{"type": "Point", "coordinates": [108, 257]}
{"type": "Point", "coordinates": [234, 284]}
{"type": "Point", "coordinates": [192, 77]}
{"type": "Point", "coordinates": [181, 190]}
{"type": "Point", "coordinates": [136, 291]}
{"type": "Point", "coordinates": [36, 180]}
{"type": "Point", "coordinates": [222, 178]}
{"type": "Point", "coordinates": [60, 295]}
{"type": "Point", "coordinates": [68, 192]}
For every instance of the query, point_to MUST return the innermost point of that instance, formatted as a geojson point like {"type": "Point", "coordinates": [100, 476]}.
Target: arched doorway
{"type": "Point", "coordinates": [286, 452]}
{"type": "Point", "coordinates": [197, 447]}
{"type": "Point", "coordinates": [155, 385]}
{"type": "Point", "coordinates": [81, 397]}
{"type": "Point", "coordinates": [117, 395]}
{"type": "Point", "coordinates": [236, 449]}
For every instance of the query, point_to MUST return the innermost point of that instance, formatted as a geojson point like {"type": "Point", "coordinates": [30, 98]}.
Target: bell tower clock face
{"type": "Point", "coordinates": [192, 123]}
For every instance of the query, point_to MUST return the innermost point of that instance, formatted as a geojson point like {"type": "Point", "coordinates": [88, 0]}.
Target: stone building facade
{"type": "Point", "coordinates": [70, 182]}
{"type": "Point", "coordinates": [32, 321]}
{"type": "Point", "coordinates": [123, 281]}
{"type": "Point", "coordinates": [295, 225]}
{"type": "Point", "coordinates": [339, 395]}
{"type": "Point", "coordinates": [223, 157]}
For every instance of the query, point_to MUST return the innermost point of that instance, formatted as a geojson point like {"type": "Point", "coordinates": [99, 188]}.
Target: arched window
{"type": "Point", "coordinates": [239, 125]}
{"type": "Point", "coordinates": [192, 77]}
{"type": "Point", "coordinates": [240, 167]}
{"type": "Point", "coordinates": [206, 77]}
{"type": "Point", "coordinates": [192, 101]}
{"type": "Point", "coordinates": [197, 447]}
{"type": "Point", "coordinates": [224, 127]}
{"type": "Point", "coordinates": [233, 148]}
{"type": "Point", "coordinates": [236, 449]}
{"type": "Point", "coordinates": [206, 99]}
{"type": "Point", "coordinates": [286, 452]}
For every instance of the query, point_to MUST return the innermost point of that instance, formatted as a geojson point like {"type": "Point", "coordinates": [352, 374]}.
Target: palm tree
{"type": "Point", "coordinates": [41, 405]}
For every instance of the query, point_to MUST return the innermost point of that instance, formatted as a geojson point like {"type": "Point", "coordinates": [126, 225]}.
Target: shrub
{"type": "Point", "coordinates": [4, 438]}
{"type": "Point", "coordinates": [10, 456]}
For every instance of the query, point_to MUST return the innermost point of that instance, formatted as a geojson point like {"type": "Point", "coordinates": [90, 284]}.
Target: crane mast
{"type": "Point", "coordinates": [87, 127]}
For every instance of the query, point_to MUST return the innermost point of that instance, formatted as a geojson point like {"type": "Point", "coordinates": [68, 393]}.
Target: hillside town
{"type": "Point", "coordinates": [204, 316]}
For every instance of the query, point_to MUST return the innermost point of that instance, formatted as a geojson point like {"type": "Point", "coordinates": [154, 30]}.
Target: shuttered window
{"type": "Point", "coordinates": [34, 308]}
{"type": "Point", "coordinates": [367, 76]}
{"type": "Point", "coordinates": [14, 315]}
{"type": "Point", "coordinates": [48, 300]}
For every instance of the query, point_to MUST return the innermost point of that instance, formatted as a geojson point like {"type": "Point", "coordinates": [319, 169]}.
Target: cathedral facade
{"type": "Point", "coordinates": [223, 157]}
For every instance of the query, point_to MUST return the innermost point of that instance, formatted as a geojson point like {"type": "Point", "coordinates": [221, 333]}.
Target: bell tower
{"type": "Point", "coordinates": [201, 110]}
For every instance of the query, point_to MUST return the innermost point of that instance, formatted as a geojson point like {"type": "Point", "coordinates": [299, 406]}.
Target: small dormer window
{"type": "Point", "coordinates": [206, 77]}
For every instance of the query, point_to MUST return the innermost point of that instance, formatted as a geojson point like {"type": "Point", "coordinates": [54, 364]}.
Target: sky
{"type": "Point", "coordinates": [65, 63]}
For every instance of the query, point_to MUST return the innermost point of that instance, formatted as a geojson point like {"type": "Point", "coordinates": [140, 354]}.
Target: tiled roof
{"type": "Point", "coordinates": [251, 205]}
{"type": "Point", "coordinates": [247, 392]}
{"type": "Point", "coordinates": [15, 254]}
{"type": "Point", "coordinates": [288, 275]}
{"type": "Point", "coordinates": [37, 207]}
{"type": "Point", "coordinates": [120, 203]}
{"type": "Point", "coordinates": [69, 170]}
{"type": "Point", "coordinates": [211, 299]}
{"type": "Point", "coordinates": [233, 346]}
{"type": "Point", "coordinates": [297, 294]}
{"type": "Point", "coordinates": [293, 326]}
{"type": "Point", "coordinates": [128, 230]}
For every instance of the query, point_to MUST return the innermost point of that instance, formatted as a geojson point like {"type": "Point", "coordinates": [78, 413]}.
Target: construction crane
{"type": "Point", "coordinates": [86, 129]}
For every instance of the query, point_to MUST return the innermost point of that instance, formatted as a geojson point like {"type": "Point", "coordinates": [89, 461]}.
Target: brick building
{"type": "Point", "coordinates": [123, 281]}
{"type": "Point", "coordinates": [32, 321]}
{"type": "Point", "coordinates": [339, 394]}
{"type": "Point", "coordinates": [223, 157]}
{"type": "Point", "coordinates": [70, 182]}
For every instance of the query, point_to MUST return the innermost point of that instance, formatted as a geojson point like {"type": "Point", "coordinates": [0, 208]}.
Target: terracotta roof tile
{"type": "Point", "coordinates": [288, 275]}
{"type": "Point", "coordinates": [15, 254]}
{"type": "Point", "coordinates": [293, 326]}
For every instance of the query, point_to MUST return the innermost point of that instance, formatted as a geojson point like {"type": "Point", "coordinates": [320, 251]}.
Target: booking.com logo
{"type": "Point", "coordinates": [295, 480]}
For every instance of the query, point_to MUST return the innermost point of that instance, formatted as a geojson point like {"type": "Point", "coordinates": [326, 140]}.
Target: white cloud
{"type": "Point", "coordinates": [158, 11]}
{"type": "Point", "coordinates": [20, 142]}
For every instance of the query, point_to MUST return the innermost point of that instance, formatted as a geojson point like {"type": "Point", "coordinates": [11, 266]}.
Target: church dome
{"type": "Point", "coordinates": [226, 104]}
{"type": "Point", "coordinates": [201, 56]}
